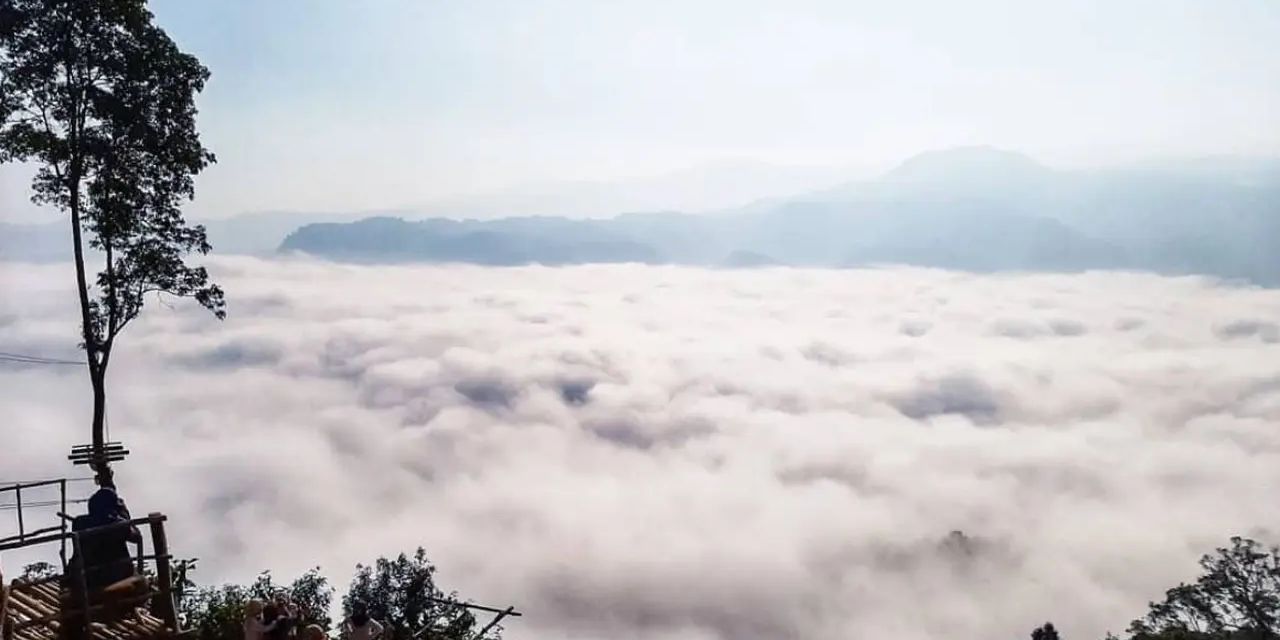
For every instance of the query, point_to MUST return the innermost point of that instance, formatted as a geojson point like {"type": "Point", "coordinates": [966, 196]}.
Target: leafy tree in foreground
{"type": "Point", "coordinates": [402, 595]}
{"type": "Point", "coordinates": [399, 592]}
{"type": "Point", "coordinates": [102, 103]}
{"type": "Point", "coordinates": [38, 571]}
{"type": "Point", "coordinates": [217, 613]}
{"type": "Point", "coordinates": [1237, 598]}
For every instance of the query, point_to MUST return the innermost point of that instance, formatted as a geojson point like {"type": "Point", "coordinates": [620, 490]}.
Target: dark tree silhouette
{"type": "Point", "coordinates": [1047, 632]}
{"type": "Point", "coordinates": [217, 613]}
{"type": "Point", "coordinates": [399, 592]}
{"type": "Point", "coordinates": [1237, 598]}
{"type": "Point", "coordinates": [402, 595]}
{"type": "Point", "coordinates": [102, 103]}
{"type": "Point", "coordinates": [38, 571]}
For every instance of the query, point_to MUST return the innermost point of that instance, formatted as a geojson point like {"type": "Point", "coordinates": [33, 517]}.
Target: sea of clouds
{"type": "Point", "coordinates": [659, 452]}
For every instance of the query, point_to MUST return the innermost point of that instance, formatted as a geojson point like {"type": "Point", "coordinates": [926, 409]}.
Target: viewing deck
{"type": "Point", "coordinates": [138, 607]}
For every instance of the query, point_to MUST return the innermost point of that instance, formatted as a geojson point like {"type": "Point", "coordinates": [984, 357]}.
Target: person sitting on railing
{"type": "Point", "coordinates": [106, 557]}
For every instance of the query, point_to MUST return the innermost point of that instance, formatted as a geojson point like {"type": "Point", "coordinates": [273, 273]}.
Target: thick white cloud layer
{"type": "Point", "coordinates": [651, 452]}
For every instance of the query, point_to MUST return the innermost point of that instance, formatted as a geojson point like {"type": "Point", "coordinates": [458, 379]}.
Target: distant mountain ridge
{"type": "Point", "coordinates": [975, 208]}
{"type": "Point", "coordinates": [972, 208]}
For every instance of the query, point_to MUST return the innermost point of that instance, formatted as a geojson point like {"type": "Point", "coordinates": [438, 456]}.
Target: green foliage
{"type": "Point", "coordinates": [402, 595]}
{"type": "Point", "coordinates": [217, 613]}
{"type": "Point", "coordinates": [102, 103]}
{"type": "Point", "coordinates": [310, 592]}
{"type": "Point", "coordinates": [398, 592]}
{"type": "Point", "coordinates": [1046, 632]}
{"type": "Point", "coordinates": [1236, 598]}
{"type": "Point", "coordinates": [38, 571]}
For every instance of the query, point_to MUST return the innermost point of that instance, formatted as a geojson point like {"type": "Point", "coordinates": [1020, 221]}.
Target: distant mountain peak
{"type": "Point", "coordinates": [982, 164]}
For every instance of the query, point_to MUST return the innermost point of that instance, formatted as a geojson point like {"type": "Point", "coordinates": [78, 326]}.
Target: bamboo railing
{"type": "Point", "coordinates": [77, 607]}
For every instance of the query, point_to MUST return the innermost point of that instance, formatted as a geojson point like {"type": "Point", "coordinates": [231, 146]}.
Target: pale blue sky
{"type": "Point", "coordinates": [330, 105]}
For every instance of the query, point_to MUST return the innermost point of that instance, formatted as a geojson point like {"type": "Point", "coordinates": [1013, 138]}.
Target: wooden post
{"type": "Point", "coordinates": [164, 573]}
{"type": "Point", "coordinates": [62, 486]}
{"type": "Point", "coordinates": [79, 592]}
{"type": "Point", "coordinates": [6, 627]}
{"type": "Point", "coordinates": [506, 612]}
{"type": "Point", "coordinates": [17, 496]}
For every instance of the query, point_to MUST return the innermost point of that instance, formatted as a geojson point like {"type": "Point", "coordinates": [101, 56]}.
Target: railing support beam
{"type": "Point", "coordinates": [165, 604]}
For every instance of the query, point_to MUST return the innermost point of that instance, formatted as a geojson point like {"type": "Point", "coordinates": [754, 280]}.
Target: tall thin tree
{"type": "Point", "coordinates": [102, 103]}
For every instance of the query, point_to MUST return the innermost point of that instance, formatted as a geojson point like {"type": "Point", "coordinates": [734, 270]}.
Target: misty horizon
{"type": "Point", "coordinates": [480, 99]}
{"type": "Point", "coordinates": [651, 319]}
{"type": "Point", "coordinates": [666, 190]}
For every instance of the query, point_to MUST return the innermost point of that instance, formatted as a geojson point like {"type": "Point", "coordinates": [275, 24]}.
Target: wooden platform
{"type": "Point", "coordinates": [36, 612]}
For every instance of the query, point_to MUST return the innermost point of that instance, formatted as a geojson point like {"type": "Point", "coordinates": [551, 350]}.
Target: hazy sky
{"type": "Point", "coordinates": [338, 105]}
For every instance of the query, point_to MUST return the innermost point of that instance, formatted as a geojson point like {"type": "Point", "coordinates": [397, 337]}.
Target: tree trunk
{"type": "Point", "coordinates": [97, 373]}
{"type": "Point", "coordinates": [106, 477]}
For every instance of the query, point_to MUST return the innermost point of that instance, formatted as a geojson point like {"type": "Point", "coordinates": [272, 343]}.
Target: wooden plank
{"type": "Point", "coordinates": [496, 619]}
{"type": "Point", "coordinates": [133, 627]}
{"type": "Point", "coordinates": [40, 615]}
{"type": "Point", "coordinates": [21, 611]}
{"type": "Point", "coordinates": [79, 589]}
{"type": "Point", "coordinates": [108, 447]}
{"type": "Point", "coordinates": [115, 457]}
{"type": "Point", "coordinates": [17, 495]}
{"type": "Point", "coordinates": [29, 485]}
{"type": "Point", "coordinates": [29, 534]}
{"type": "Point", "coordinates": [33, 634]}
{"type": "Point", "coordinates": [62, 553]}
{"type": "Point", "coordinates": [47, 589]}
{"type": "Point", "coordinates": [31, 542]}
{"type": "Point", "coordinates": [514, 614]}
{"type": "Point", "coordinates": [164, 575]}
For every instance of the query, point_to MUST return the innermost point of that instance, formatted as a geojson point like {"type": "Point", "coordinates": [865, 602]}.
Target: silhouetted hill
{"type": "Point", "coordinates": [973, 208]}
{"type": "Point", "coordinates": [512, 241]}
{"type": "Point", "coordinates": [749, 259]}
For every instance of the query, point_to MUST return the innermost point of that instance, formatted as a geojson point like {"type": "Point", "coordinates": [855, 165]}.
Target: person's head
{"type": "Point", "coordinates": [313, 632]}
{"type": "Point", "coordinates": [359, 616]}
{"type": "Point", "coordinates": [253, 608]}
{"type": "Point", "coordinates": [270, 612]}
{"type": "Point", "coordinates": [104, 504]}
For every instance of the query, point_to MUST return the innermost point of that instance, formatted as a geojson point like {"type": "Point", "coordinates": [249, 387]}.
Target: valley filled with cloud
{"type": "Point", "coordinates": [629, 451]}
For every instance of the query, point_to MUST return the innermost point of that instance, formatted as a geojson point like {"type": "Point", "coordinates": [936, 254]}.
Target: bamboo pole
{"type": "Point", "coordinates": [17, 495]}
{"type": "Point", "coordinates": [62, 553]}
{"type": "Point", "coordinates": [506, 612]}
{"type": "Point", "coordinates": [79, 591]}
{"type": "Point", "coordinates": [164, 573]}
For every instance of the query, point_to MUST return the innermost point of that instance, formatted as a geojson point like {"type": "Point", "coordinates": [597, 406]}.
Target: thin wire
{"type": "Point", "coordinates": [21, 361]}
{"type": "Point", "coordinates": [6, 482]}
{"type": "Point", "coordinates": [29, 359]}
{"type": "Point", "coordinates": [9, 506]}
